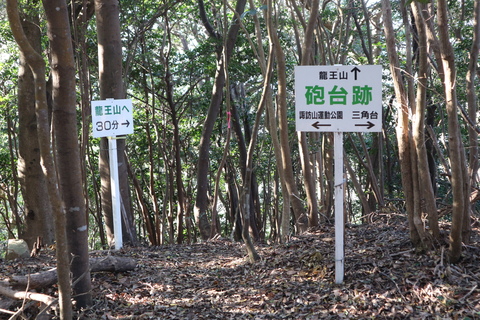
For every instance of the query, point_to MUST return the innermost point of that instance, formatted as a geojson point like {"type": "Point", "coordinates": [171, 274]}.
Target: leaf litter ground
{"type": "Point", "coordinates": [384, 279]}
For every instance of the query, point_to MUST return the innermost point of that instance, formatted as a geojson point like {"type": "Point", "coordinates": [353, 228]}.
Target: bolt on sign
{"type": "Point", "coordinates": [111, 118]}
{"type": "Point", "coordinates": [338, 98]}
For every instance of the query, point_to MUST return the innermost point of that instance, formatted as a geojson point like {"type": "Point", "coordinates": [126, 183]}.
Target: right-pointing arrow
{"type": "Point", "coordinates": [369, 125]}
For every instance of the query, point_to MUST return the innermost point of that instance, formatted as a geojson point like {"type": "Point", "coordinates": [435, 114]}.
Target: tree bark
{"type": "Point", "coordinates": [327, 168]}
{"type": "Point", "coordinates": [247, 183]}
{"type": "Point", "coordinates": [175, 117]}
{"type": "Point", "coordinates": [472, 112]}
{"type": "Point", "coordinates": [403, 133]}
{"type": "Point", "coordinates": [456, 150]}
{"type": "Point", "coordinates": [308, 174]}
{"type": "Point", "coordinates": [301, 220]}
{"type": "Point", "coordinates": [238, 98]}
{"type": "Point", "coordinates": [67, 146]}
{"type": "Point", "coordinates": [38, 209]}
{"type": "Point", "coordinates": [356, 184]}
{"type": "Point", "coordinates": [37, 65]}
{"type": "Point", "coordinates": [201, 201]}
{"type": "Point", "coordinates": [426, 197]}
{"type": "Point", "coordinates": [111, 86]}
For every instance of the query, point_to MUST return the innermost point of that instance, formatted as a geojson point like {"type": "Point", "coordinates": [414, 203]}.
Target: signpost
{"type": "Point", "coordinates": [111, 118]}
{"type": "Point", "coordinates": [338, 99]}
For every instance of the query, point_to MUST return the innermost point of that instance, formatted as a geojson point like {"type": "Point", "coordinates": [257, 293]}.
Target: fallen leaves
{"type": "Point", "coordinates": [384, 279]}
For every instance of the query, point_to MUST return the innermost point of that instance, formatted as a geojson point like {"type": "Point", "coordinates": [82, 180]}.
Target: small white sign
{"type": "Point", "coordinates": [338, 98]}
{"type": "Point", "coordinates": [111, 118]}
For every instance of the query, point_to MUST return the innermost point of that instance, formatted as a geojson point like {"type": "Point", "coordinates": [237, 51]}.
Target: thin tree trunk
{"type": "Point", "coordinates": [301, 220]}
{"type": "Point", "coordinates": [283, 218]}
{"type": "Point", "coordinates": [111, 86]}
{"type": "Point", "coordinates": [456, 150]}
{"type": "Point", "coordinates": [149, 224]}
{"type": "Point", "coordinates": [215, 227]}
{"type": "Point", "coordinates": [371, 173]}
{"type": "Point", "coordinates": [152, 177]}
{"type": "Point", "coordinates": [418, 224]}
{"type": "Point", "coordinates": [182, 206]}
{"type": "Point", "coordinates": [472, 112]}
{"type": "Point", "coordinates": [246, 192]}
{"type": "Point", "coordinates": [201, 202]}
{"type": "Point", "coordinates": [67, 147]}
{"type": "Point", "coordinates": [308, 174]}
{"type": "Point", "coordinates": [38, 208]}
{"type": "Point", "coordinates": [37, 66]}
{"type": "Point", "coordinates": [403, 134]}
{"type": "Point", "coordinates": [356, 184]}
{"type": "Point", "coordinates": [80, 22]}
{"type": "Point", "coordinates": [328, 162]}
{"type": "Point", "coordinates": [426, 197]}
{"type": "Point", "coordinates": [238, 97]}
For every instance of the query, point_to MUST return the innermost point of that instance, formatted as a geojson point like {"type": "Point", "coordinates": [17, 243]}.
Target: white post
{"type": "Point", "coordinates": [339, 199]}
{"type": "Point", "coordinates": [114, 183]}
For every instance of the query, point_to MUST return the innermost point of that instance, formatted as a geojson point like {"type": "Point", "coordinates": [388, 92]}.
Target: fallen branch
{"type": "Point", "coordinates": [20, 295]}
{"type": "Point", "coordinates": [48, 278]}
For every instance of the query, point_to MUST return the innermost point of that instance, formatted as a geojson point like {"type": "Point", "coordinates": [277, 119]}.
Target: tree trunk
{"type": "Point", "coordinates": [67, 147]}
{"type": "Point", "coordinates": [411, 45]}
{"type": "Point", "coordinates": [328, 183]}
{"type": "Point", "coordinates": [238, 98]}
{"type": "Point", "coordinates": [39, 219]}
{"type": "Point", "coordinates": [37, 65]}
{"type": "Point", "coordinates": [403, 134]}
{"type": "Point", "coordinates": [201, 201]}
{"type": "Point", "coordinates": [82, 12]}
{"type": "Point", "coordinates": [148, 221]}
{"type": "Point", "coordinates": [308, 177]}
{"type": "Point", "coordinates": [308, 174]}
{"type": "Point", "coordinates": [456, 150]}
{"type": "Point", "coordinates": [426, 196]}
{"type": "Point", "coordinates": [111, 86]}
{"type": "Point", "coordinates": [301, 220]}
{"type": "Point", "coordinates": [247, 181]}
{"type": "Point", "coordinates": [472, 112]}
{"type": "Point", "coordinates": [182, 205]}
{"type": "Point", "coordinates": [356, 184]}
{"type": "Point", "coordinates": [175, 116]}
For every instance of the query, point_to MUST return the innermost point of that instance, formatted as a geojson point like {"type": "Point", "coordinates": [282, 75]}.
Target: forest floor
{"type": "Point", "coordinates": [384, 279]}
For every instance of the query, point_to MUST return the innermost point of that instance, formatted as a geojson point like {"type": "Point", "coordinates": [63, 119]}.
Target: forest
{"type": "Point", "coordinates": [225, 210]}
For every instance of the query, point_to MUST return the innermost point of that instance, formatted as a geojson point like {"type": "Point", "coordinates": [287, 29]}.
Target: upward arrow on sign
{"type": "Point", "coordinates": [355, 72]}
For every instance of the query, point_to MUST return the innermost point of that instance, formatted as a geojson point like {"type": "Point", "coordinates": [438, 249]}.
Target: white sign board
{"type": "Point", "coordinates": [338, 98]}
{"type": "Point", "coordinates": [111, 118]}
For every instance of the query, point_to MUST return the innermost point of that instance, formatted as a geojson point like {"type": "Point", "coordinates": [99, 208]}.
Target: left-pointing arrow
{"type": "Point", "coordinates": [126, 123]}
{"type": "Point", "coordinates": [369, 125]}
{"type": "Point", "coordinates": [317, 125]}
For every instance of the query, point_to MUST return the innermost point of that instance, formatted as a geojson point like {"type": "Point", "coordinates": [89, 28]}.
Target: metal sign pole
{"type": "Point", "coordinates": [339, 214]}
{"type": "Point", "coordinates": [115, 187]}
